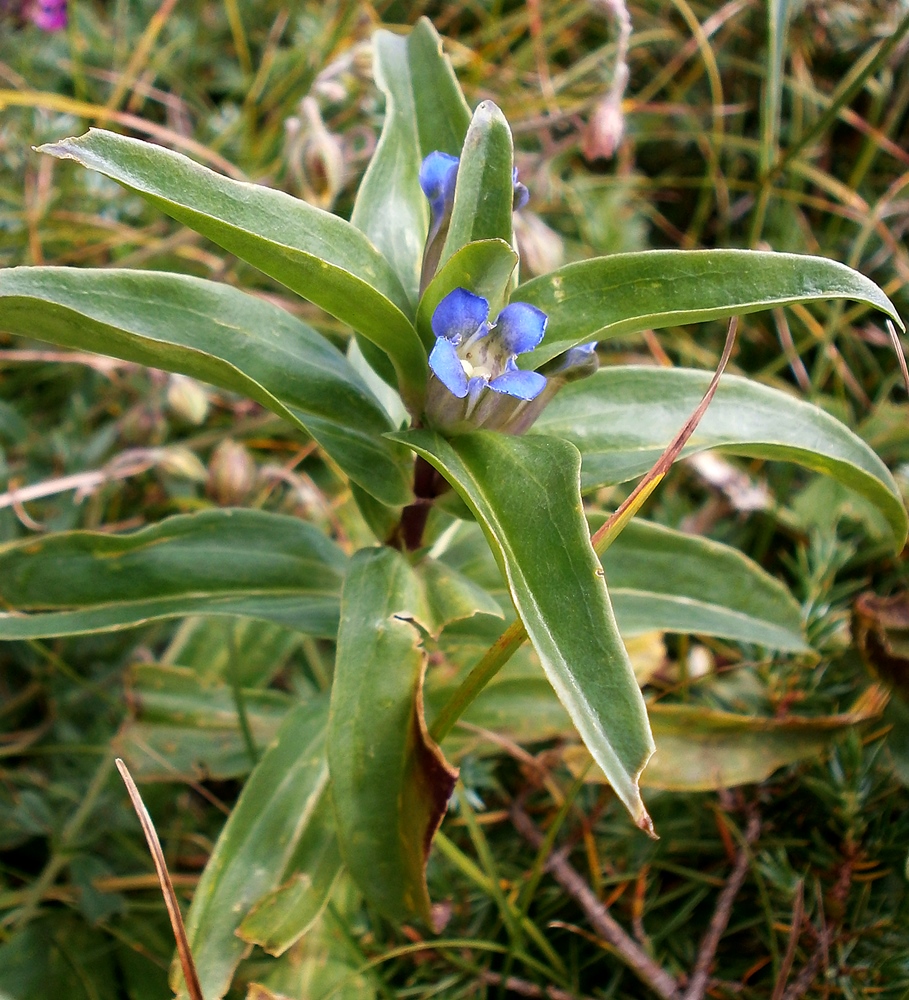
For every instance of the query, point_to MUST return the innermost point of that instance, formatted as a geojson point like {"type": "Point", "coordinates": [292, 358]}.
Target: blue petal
{"type": "Point", "coordinates": [524, 385]}
{"type": "Point", "coordinates": [446, 365]}
{"type": "Point", "coordinates": [459, 315]}
{"type": "Point", "coordinates": [437, 179]}
{"type": "Point", "coordinates": [521, 194]}
{"type": "Point", "coordinates": [475, 387]}
{"type": "Point", "coordinates": [520, 327]}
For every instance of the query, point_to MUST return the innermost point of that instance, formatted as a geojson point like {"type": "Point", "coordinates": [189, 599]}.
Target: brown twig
{"type": "Point", "coordinates": [814, 964]}
{"type": "Point", "coordinates": [193, 985]}
{"type": "Point", "coordinates": [524, 988]}
{"type": "Point", "coordinates": [697, 986]}
{"type": "Point", "coordinates": [798, 913]}
{"type": "Point", "coordinates": [625, 947]}
{"type": "Point", "coordinates": [900, 355]}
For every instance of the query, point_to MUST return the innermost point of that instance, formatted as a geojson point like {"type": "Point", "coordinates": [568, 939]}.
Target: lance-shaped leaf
{"type": "Point", "coordinates": [700, 749]}
{"type": "Point", "coordinates": [674, 582]}
{"type": "Point", "coordinates": [390, 782]}
{"type": "Point", "coordinates": [629, 292]}
{"type": "Point", "coordinates": [182, 726]}
{"type": "Point", "coordinates": [483, 268]}
{"type": "Point", "coordinates": [449, 596]}
{"type": "Point", "coordinates": [442, 114]}
{"type": "Point", "coordinates": [670, 581]}
{"type": "Point", "coordinates": [218, 334]}
{"type": "Point", "coordinates": [485, 187]}
{"type": "Point", "coordinates": [240, 562]}
{"type": "Point", "coordinates": [524, 493]}
{"type": "Point", "coordinates": [253, 855]}
{"type": "Point", "coordinates": [281, 917]}
{"type": "Point", "coordinates": [425, 111]}
{"type": "Point", "coordinates": [622, 418]}
{"type": "Point", "coordinates": [249, 652]}
{"type": "Point", "coordinates": [391, 208]}
{"type": "Point", "coordinates": [318, 255]}
{"type": "Point", "coordinates": [325, 965]}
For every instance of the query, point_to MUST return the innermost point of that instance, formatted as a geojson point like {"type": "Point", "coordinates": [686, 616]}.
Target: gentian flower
{"type": "Point", "coordinates": [438, 177]}
{"type": "Point", "coordinates": [576, 363]}
{"type": "Point", "coordinates": [477, 382]}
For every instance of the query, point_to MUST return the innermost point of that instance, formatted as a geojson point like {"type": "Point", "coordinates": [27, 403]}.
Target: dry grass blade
{"type": "Point", "coordinates": [167, 886]}
{"type": "Point", "coordinates": [798, 913]}
{"type": "Point", "coordinates": [625, 947]}
{"type": "Point", "coordinates": [603, 537]}
{"type": "Point", "coordinates": [900, 353]}
{"type": "Point", "coordinates": [707, 953]}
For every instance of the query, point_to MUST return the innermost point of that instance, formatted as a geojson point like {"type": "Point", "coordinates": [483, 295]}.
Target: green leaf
{"type": "Point", "coordinates": [518, 703]}
{"type": "Point", "coordinates": [450, 596]}
{"type": "Point", "coordinates": [318, 255]}
{"type": "Point", "coordinates": [667, 580]}
{"type": "Point", "coordinates": [57, 956]}
{"type": "Point", "coordinates": [483, 268]}
{"type": "Point", "coordinates": [281, 917]}
{"type": "Point", "coordinates": [485, 187]}
{"type": "Point", "coordinates": [218, 334]}
{"type": "Point", "coordinates": [391, 208]}
{"type": "Point", "coordinates": [524, 493]}
{"type": "Point", "coordinates": [251, 651]}
{"type": "Point", "coordinates": [630, 292]}
{"type": "Point", "coordinates": [443, 115]}
{"type": "Point", "coordinates": [390, 782]}
{"type": "Point", "coordinates": [253, 855]}
{"type": "Point", "coordinates": [182, 726]}
{"type": "Point", "coordinates": [240, 562]}
{"type": "Point", "coordinates": [326, 965]}
{"type": "Point", "coordinates": [622, 418]}
{"type": "Point", "coordinates": [698, 748]}
{"type": "Point", "coordinates": [701, 749]}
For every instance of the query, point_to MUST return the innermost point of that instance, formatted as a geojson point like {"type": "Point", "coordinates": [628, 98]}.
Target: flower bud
{"type": "Point", "coordinates": [182, 464]}
{"type": "Point", "coordinates": [187, 399]}
{"type": "Point", "coordinates": [142, 425]}
{"type": "Point", "coordinates": [314, 157]}
{"type": "Point", "coordinates": [232, 474]}
{"type": "Point", "coordinates": [605, 129]}
{"type": "Point", "coordinates": [576, 363]}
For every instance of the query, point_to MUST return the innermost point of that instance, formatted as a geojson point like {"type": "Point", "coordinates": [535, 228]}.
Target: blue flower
{"type": "Point", "coordinates": [438, 175]}
{"type": "Point", "coordinates": [473, 361]}
{"type": "Point", "coordinates": [438, 178]}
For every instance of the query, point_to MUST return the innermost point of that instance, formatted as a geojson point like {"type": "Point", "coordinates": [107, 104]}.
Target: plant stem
{"type": "Point", "coordinates": [427, 485]}
{"type": "Point", "coordinates": [498, 654]}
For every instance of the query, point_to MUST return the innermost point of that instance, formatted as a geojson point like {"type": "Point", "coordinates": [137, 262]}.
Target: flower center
{"type": "Point", "coordinates": [478, 355]}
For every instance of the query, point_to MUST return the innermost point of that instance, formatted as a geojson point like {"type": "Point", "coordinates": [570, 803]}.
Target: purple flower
{"type": "Point", "coordinates": [473, 361]}
{"type": "Point", "coordinates": [48, 15]}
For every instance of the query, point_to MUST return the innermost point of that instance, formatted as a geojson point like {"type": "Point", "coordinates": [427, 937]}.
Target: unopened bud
{"type": "Point", "coordinates": [232, 474]}
{"type": "Point", "coordinates": [314, 157]}
{"type": "Point", "coordinates": [187, 399]}
{"type": "Point", "coordinates": [605, 129]}
{"type": "Point", "coordinates": [576, 363]}
{"type": "Point", "coordinates": [541, 248]}
{"type": "Point", "coordinates": [142, 426]}
{"type": "Point", "coordinates": [182, 464]}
